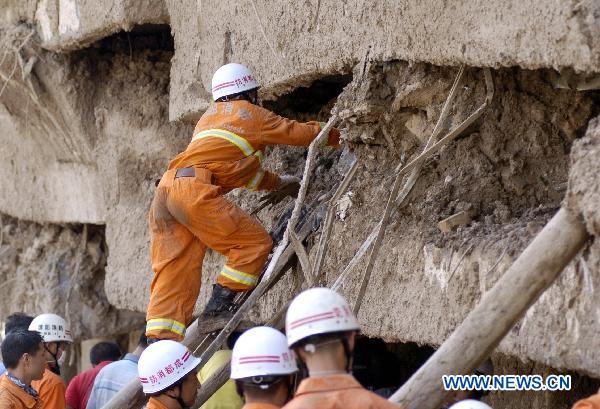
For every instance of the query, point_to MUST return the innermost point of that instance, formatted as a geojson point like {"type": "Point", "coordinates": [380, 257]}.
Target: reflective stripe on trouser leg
{"type": "Point", "coordinates": [239, 276]}
{"type": "Point", "coordinates": [256, 179]}
{"type": "Point", "coordinates": [157, 324]}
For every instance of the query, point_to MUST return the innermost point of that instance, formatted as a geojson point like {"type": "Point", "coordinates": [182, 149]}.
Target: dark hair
{"type": "Point", "coordinates": [232, 339]}
{"type": "Point", "coordinates": [17, 321]}
{"type": "Point", "coordinates": [143, 341]}
{"type": "Point", "coordinates": [244, 94]}
{"type": "Point", "coordinates": [17, 343]}
{"type": "Point", "coordinates": [104, 351]}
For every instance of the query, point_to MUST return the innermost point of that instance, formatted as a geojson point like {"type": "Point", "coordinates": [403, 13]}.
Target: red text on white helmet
{"type": "Point", "coordinates": [232, 79]}
{"type": "Point", "coordinates": [52, 327]}
{"type": "Point", "coordinates": [163, 364]}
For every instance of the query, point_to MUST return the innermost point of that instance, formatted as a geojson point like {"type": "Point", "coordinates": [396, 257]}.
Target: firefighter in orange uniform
{"type": "Point", "coordinates": [189, 213]}
{"type": "Point", "coordinates": [57, 336]}
{"type": "Point", "coordinates": [321, 330]}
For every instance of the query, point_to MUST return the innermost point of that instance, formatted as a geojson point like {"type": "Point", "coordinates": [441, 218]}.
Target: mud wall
{"type": "Point", "coordinates": [92, 114]}
{"type": "Point", "coordinates": [60, 269]}
{"type": "Point", "coordinates": [295, 45]}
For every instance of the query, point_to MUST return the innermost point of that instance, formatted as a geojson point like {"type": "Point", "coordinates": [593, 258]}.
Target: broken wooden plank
{"type": "Point", "coordinates": [328, 224]}
{"type": "Point", "coordinates": [305, 264]}
{"type": "Point", "coordinates": [461, 218]}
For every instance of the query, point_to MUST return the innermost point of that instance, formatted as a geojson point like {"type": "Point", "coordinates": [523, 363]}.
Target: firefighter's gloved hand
{"type": "Point", "coordinates": [334, 137]}
{"type": "Point", "coordinates": [288, 186]}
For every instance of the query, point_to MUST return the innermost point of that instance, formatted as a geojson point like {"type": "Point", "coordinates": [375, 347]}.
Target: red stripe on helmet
{"type": "Point", "coordinates": [185, 356]}
{"type": "Point", "coordinates": [261, 361]}
{"type": "Point", "coordinates": [259, 357]}
{"type": "Point", "coordinates": [310, 321]}
{"type": "Point", "coordinates": [311, 318]}
{"type": "Point", "coordinates": [223, 85]}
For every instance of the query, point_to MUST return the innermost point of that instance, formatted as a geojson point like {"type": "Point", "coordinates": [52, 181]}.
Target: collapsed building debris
{"type": "Point", "coordinates": [92, 113]}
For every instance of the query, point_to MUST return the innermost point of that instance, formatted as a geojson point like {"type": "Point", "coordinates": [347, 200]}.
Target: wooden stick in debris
{"type": "Point", "coordinates": [425, 155]}
{"type": "Point", "coordinates": [499, 309]}
{"type": "Point", "coordinates": [308, 167]}
{"type": "Point", "coordinates": [391, 203]}
{"type": "Point", "coordinates": [458, 130]}
{"type": "Point", "coordinates": [305, 264]}
{"type": "Point", "coordinates": [329, 217]}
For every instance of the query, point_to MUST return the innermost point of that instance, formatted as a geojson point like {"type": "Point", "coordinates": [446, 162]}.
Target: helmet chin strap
{"type": "Point", "coordinates": [56, 367]}
{"type": "Point", "coordinates": [178, 398]}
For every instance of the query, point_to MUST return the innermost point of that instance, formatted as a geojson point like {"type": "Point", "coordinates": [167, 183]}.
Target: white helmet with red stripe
{"type": "Point", "coordinates": [261, 351]}
{"type": "Point", "coordinates": [318, 311]}
{"type": "Point", "coordinates": [52, 327]}
{"type": "Point", "coordinates": [163, 364]}
{"type": "Point", "coordinates": [470, 404]}
{"type": "Point", "coordinates": [232, 79]}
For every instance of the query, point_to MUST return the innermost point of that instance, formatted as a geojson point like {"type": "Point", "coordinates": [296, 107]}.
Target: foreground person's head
{"type": "Point", "coordinates": [167, 371]}
{"type": "Point", "coordinates": [263, 366]}
{"type": "Point", "coordinates": [321, 329]}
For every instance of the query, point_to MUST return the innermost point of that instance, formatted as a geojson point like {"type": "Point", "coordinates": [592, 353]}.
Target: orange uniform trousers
{"type": "Point", "coordinates": [187, 215]}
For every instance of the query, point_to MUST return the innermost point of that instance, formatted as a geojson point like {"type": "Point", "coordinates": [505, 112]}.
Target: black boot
{"type": "Point", "coordinates": [218, 311]}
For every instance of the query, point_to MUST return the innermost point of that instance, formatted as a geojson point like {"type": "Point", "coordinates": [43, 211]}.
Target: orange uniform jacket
{"type": "Point", "coordinates": [593, 402]}
{"type": "Point", "coordinates": [336, 392]}
{"type": "Point", "coordinates": [52, 390]}
{"type": "Point", "coordinates": [155, 404]}
{"type": "Point", "coordinates": [189, 214]}
{"type": "Point", "coordinates": [13, 397]}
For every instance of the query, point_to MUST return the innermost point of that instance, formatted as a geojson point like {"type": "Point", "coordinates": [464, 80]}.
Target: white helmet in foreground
{"type": "Point", "coordinates": [232, 79]}
{"type": "Point", "coordinates": [261, 351]}
{"type": "Point", "coordinates": [52, 327]}
{"type": "Point", "coordinates": [318, 311]}
{"type": "Point", "coordinates": [470, 404]}
{"type": "Point", "coordinates": [163, 364]}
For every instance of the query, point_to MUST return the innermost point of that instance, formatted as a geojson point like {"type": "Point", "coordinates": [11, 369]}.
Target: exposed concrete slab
{"type": "Point", "coordinates": [36, 185]}
{"type": "Point", "coordinates": [73, 24]}
{"type": "Point", "coordinates": [287, 45]}
{"type": "Point", "coordinates": [49, 172]}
